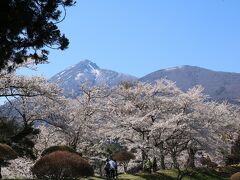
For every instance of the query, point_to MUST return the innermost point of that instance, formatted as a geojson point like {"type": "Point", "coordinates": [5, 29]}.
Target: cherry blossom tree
{"type": "Point", "coordinates": [18, 168]}
{"type": "Point", "coordinates": [30, 102]}
{"type": "Point", "coordinates": [161, 116]}
{"type": "Point", "coordinates": [85, 116]}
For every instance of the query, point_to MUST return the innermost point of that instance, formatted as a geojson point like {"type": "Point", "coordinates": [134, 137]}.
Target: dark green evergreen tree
{"type": "Point", "coordinates": [28, 27]}
{"type": "Point", "coordinates": [18, 137]}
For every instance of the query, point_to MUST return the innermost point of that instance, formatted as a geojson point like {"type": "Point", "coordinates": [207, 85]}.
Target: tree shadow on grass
{"type": "Point", "coordinates": [196, 174]}
{"type": "Point", "coordinates": [156, 176]}
{"type": "Point", "coordinates": [206, 173]}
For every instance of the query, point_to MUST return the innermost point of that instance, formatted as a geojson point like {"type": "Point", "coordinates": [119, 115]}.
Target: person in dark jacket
{"type": "Point", "coordinates": [107, 169]}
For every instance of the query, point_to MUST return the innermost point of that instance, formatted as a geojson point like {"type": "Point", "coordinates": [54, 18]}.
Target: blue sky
{"type": "Point", "coordinates": [140, 36]}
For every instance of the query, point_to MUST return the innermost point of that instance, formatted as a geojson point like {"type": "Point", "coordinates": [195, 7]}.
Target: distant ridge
{"type": "Point", "coordinates": [219, 85]}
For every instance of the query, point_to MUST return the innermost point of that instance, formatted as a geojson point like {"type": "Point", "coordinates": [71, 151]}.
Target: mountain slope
{"type": "Point", "coordinates": [87, 72]}
{"type": "Point", "coordinates": [219, 85]}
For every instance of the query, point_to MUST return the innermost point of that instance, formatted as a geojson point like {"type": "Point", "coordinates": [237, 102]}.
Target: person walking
{"type": "Point", "coordinates": [113, 168]}
{"type": "Point", "coordinates": [116, 169]}
{"type": "Point", "coordinates": [107, 169]}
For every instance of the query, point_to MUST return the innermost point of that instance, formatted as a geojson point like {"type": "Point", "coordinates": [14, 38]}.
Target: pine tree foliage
{"type": "Point", "coordinates": [27, 27]}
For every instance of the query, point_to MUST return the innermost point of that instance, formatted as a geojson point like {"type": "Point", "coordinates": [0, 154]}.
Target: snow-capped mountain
{"type": "Point", "coordinates": [219, 85]}
{"type": "Point", "coordinates": [86, 71]}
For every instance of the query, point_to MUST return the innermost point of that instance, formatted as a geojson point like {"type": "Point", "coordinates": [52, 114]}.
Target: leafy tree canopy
{"type": "Point", "coordinates": [28, 27]}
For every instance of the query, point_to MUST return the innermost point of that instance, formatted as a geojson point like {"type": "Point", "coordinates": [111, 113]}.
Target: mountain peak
{"type": "Point", "coordinates": [87, 65]}
{"type": "Point", "coordinates": [86, 71]}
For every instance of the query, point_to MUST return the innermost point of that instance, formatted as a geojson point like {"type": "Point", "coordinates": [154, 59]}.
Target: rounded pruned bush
{"type": "Point", "coordinates": [236, 176]}
{"type": "Point", "coordinates": [6, 152]}
{"type": "Point", "coordinates": [61, 165]}
{"type": "Point", "coordinates": [57, 148]}
{"type": "Point", "coordinates": [123, 157]}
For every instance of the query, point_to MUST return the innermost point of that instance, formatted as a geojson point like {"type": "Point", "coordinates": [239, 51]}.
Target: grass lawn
{"type": "Point", "coordinates": [198, 174]}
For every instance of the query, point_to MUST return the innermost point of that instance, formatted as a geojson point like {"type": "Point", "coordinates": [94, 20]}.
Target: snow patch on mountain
{"type": "Point", "coordinates": [87, 72]}
{"type": "Point", "coordinates": [62, 72]}
{"type": "Point", "coordinates": [96, 72]}
{"type": "Point", "coordinates": [78, 76]}
{"type": "Point", "coordinates": [174, 68]}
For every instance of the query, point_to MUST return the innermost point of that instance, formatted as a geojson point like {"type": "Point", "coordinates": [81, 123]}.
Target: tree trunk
{"type": "Point", "coordinates": [74, 142]}
{"type": "Point", "coordinates": [162, 158]}
{"type": "Point", "coordinates": [162, 162]}
{"type": "Point", "coordinates": [191, 157]}
{"type": "Point", "coordinates": [100, 170]}
{"type": "Point", "coordinates": [144, 157]}
{"type": "Point", "coordinates": [174, 159]}
{"type": "Point", "coordinates": [125, 165]}
{"type": "Point", "coordinates": [0, 173]}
